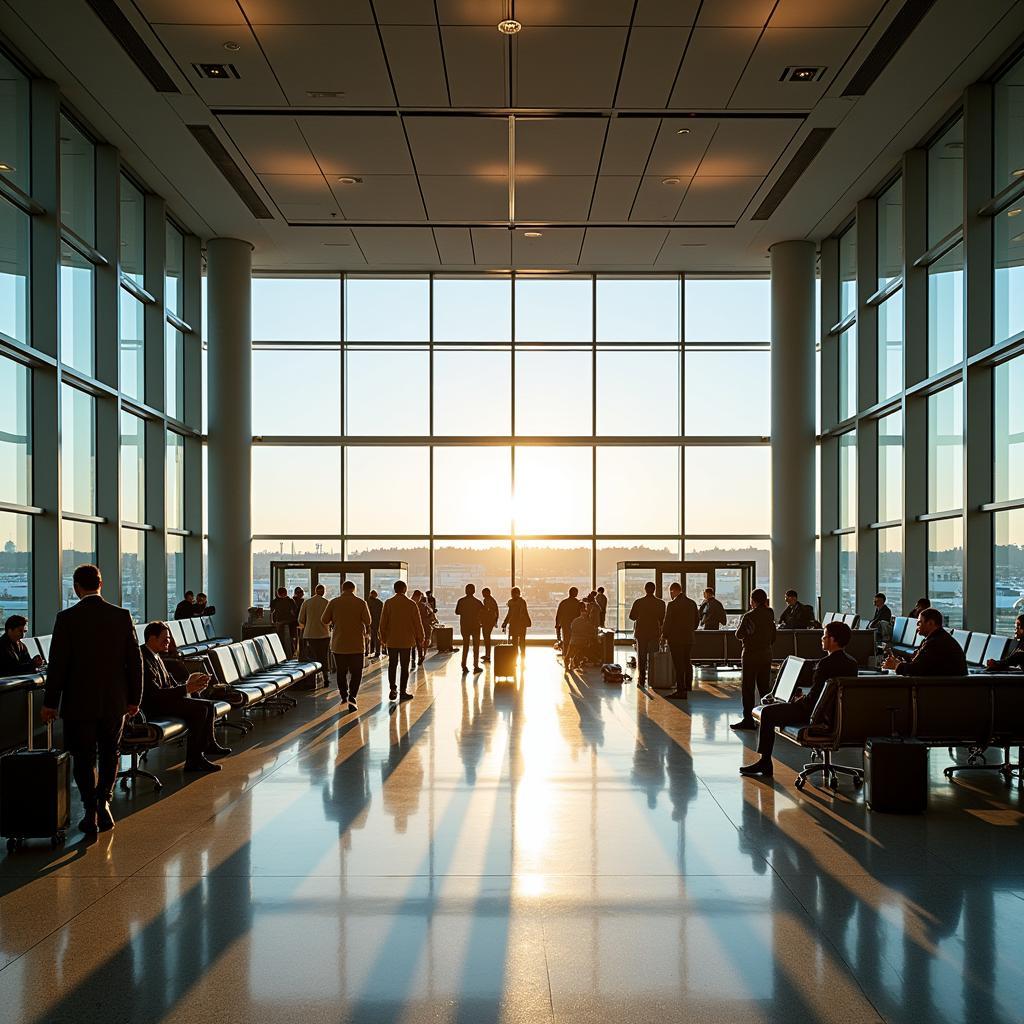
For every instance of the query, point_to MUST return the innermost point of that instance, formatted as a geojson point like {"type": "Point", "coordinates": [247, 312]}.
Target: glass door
{"type": "Point", "coordinates": [696, 584]}
{"type": "Point", "coordinates": [331, 582]}
{"type": "Point", "coordinates": [360, 580]}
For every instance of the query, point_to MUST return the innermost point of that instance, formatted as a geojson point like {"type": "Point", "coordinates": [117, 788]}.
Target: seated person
{"type": "Point", "coordinates": [881, 616]}
{"type": "Point", "coordinates": [162, 696]}
{"type": "Point", "coordinates": [582, 637]}
{"type": "Point", "coordinates": [836, 664]}
{"type": "Point", "coordinates": [922, 603]}
{"type": "Point", "coordinates": [939, 655]}
{"type": "Point", "coordinates": [1014, 656]}
{"type": "Point", "coordinates": [254, 616]}
{"type": "Point", "coordinates": [14, 657]}
{"type": "Point", "coordinates": [796, 615]}
{"type": "Point", "coordinates": [203, 607]}
{"type": "Point", "coordinates": [186, 607]}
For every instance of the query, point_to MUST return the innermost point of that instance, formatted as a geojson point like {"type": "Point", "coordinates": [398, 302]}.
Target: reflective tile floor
{"type": "Point", "coordinates": [555, 850]}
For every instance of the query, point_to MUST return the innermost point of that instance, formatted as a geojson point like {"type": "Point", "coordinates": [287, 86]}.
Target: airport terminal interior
{"type": "Point", "coordinates": [405, 295]}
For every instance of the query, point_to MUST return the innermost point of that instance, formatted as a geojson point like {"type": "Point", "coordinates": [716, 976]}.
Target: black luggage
{"type": "Point", "coordinates": [896, 775]}
{"type": "Point", "coordinates": [35, 792]}
{"type": "Point", "coordinates": [504, 661]}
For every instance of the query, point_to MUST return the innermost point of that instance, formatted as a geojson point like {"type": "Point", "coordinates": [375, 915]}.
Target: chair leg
{"type": "Point", "coordinates": [831, 772]}
{"type": "Point", "coordinates": [134, 771]}
{"type": "Point", "coordinates": [1005, 767]}
{"type": "Point", "coordinates": [223, 723]}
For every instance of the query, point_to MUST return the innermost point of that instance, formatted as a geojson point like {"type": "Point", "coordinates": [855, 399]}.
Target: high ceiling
{"type": "Point", "coordinates": [606, 134]}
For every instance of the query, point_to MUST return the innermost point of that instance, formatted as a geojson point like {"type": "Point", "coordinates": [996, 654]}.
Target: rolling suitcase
{"type": "Point", "coordinates": [443, 638]}
{"type": "Point", "coordinates": [661, 673]}
{"type": "Point", "coordinates": [895, 774]}
{"type": "Point", "coordinates": [504, 661]}
{"type": "Point", "coordinates": [35, 792]}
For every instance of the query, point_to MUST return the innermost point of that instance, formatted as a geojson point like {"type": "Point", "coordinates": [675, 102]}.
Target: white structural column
{"type": "Point", "coordinates": [229, 384]}
{"type": "Point", "coordinates": [793, 436]}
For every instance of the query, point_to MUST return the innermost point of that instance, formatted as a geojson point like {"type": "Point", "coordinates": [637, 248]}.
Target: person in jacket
{"type": "Point", "coordinates": [470, 611]}
{"type": "Point", "coordinates": [922, 603]}
{"type": "Point", "coordinates": [429, 620]}
{"type": "Point", "coordinates": [602, 603]}
{"type": "Point", "coordinates": [756, 634]}
{"type": "Point", "coordinates": [376, 606]}
{"type": "Point", "coordinates": [836, 664]}
{"type": "Point", "coordinates": [93, 680]}
{"type": "Point", "coordinates": [348, 619]}
{"type": "Point", "coordinates": [1015, 655]}
{"type": "Point", "coordinates": [796, 615]}
{"type": "Point", "coordinates": [565, 614]}
{"type": "Point", "coordinates": [582, 638]}
{"type": "Point", "coordinates": [285, 616]}
{"type": "Point", "coordinates": [312, 631]}
{"type": "Point", "coordinates": [186, 607]}
{"type": "Point", "coordinates": [938, 655]}
{"type": "Point", "coordinates": [711, 611]}
{"type": "Point", "coordinates": [203, 606]}
{"type": "Point", "coordinates": [517, 621]}
{"type": "Point", "coordinates": [882, 613]}
{"type": "Point", "coordinates": [681, 619]}
{"type": "Point", "coordinates": [647, 615]}
{"type": "Point", "coordinates": [15, 659]}
{"type": "Point", "coordinates": [401, 629]}
{"type": "Point", "coordinates": [488, 620]}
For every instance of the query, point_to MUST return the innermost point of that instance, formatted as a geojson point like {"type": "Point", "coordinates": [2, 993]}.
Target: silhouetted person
{"type": "Point", "coordinates": [488, 621]}
{"type": "Point", "coordinates": [922, 603]}
{"type": "Point", "coordinates": [470, 611]}
{"type": "Point", "coordinates": [881, 618]}
{"type": "Point", "coordinates": [162, 695]}
{"type": "Point", "coordinates": [647, 615]}
{"type": "Point", "coordinates": [95, 678]}
{"type": "Point", "coordinates": [432, 601]}
{"type": "Point", "coordinates": [312, 631]}
{"type": "Point", "coordinates": [517, 621]}
{"type": "Point", "coordinates": [1014, 656]}
{"type": "Point", "coordinates": [711, 611]}
{"type": "Point", "coordinates": [284, 614]}
{"type": "Point", "coordinates": [203, 606]}
{"type": "Point", "coordinates": [376, 606]}
{"type": "Point", "coordinates": [428, 619]}
{"type": "Point", "coordinates": [15, 659]}
{"type": "Point", "coordinates": [796, 615]}
{"type": "Point", "coordinates": [756, 634]}
{"type": "Point", "coordinates": [348, 618]}
{"type": "Point", "coordinates": [938, 655]}
{"type": "Point", "coordinates": [582, 638]}
{"type": "Point", "coordinates": [602, 603]}
{"type": "Point", "coordinates": [298, 596]}
{"type": "Point", "coordinates": [401, 629]}
{"type": "Point", "coordinates": [185, 608]}
{"type": "Point", "coordinates": [565, 614]}
{"type": "Point", "coordinates": [836, 664]}
{"type": "Point", "coordinates": [681, 618]}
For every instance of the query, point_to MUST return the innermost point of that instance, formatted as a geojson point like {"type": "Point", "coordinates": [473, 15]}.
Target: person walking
{"type": "Point", "coordinates": [565, 614]}
{"type": "Point", "coordinates": [285, 616]}
{"type": "Point", "coordinates": [470, 611]}
{"type": "Point", "coordinates": [681, 618]}
{"type": "Point", "coordinates": [298, 596]}
{"type": "Point", "coordinates": [429, 620]}
{"type": "Point", "coordinates": [401, 629]}
{"type": "Point", "coordinates": [517, 621]}
{"type": "Point", "coordinates": [756, 634]}
{"type": "Point", "coordinates": [647, 615]}
{"type": "Point", "coordinates": [93, 680]}
{"type": "Point", "coordinates": [488, 621]}
{"type": "Point", "coordinates": [348, 619]}
{"type": "Point", "coordinates": [312, 632]}
{"type": "Point", "coordinates": [376, 606]}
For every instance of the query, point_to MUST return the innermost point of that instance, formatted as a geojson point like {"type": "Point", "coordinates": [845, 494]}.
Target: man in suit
{"type": "Point", "coordinates": [711, 611]}
{"type": "Point", "coordinates": [186, 607]}
{"type": "Point", "coordinates": [15, 659]}
{"type": "Point", "coordinates": [680, 623]}
{"type": "Point", "coordinates": [348, 618]}
{"type": "Point", "coordinates": [517, 621]}
{"type": "Point", "coordinates": [796, 615]}
{"type": "Point", "coordinates": [836, 664]}
{"type": "Point", "coordinates": [647, 615]}
{"type": "Point", "coordinates": [401, 629]}
{"type": "Point", "coordinates": [283, 613]}
{"type": "Point", "coordinates": [93, 680]}
{"type": "Point", "coordinates": [470, 611]}
{"type": "Point", "coordinates": [756, 634]}
{"type": "Point", "coordinates": [938, 655]}
{"type": "Point", "coordinates": [311, 628]}
{"type": "Point", "coordinates": [882, 614]}
{"type": "Point", "coordinates": [376, 606]}
{"type": "Point", "coordinates": [203, 606]}
{"type": "Point", "coordinates": [922, 603]}
{"type": "Point", "coordinates": [1015, 655]}
{"type": "Point", "coordinates": [602, 603]}
{"type": "Point", "coordinates": [565, 615]}
{"type": "Point", "coordinates": [489, 620]}
{"type": "Point", "coordinates": [162, 695]}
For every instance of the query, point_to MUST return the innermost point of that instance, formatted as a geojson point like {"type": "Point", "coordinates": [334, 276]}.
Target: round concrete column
{"type": "Point", "coordinates": [793, 433]}
{"type": "Point", "coordinates": [229, 385]}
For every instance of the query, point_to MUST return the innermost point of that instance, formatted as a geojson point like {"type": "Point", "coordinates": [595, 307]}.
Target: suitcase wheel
{"type": "Point", "coordinates": [800, 783]}
{"type": "Point", "coordinates": [858, 782]}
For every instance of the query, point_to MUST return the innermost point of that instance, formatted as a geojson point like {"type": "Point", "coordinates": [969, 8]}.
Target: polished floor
{"type": "Point", "coordinates": [557, 850]}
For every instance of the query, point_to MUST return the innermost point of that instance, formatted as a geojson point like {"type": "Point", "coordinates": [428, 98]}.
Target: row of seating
{"type": "Point", "coordinates": [978, 647]}
{"type": "Point", "coordinates": [852, 620]}
{"type": "Point", "coordinates": [715, 646]}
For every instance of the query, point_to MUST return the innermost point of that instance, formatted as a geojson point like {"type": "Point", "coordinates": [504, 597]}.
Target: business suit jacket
{"type": "Point", "coordinates": [14, 658]}
{"type": "Point", "coordinates": [470, 612]}
{"type": "Point", "coordinates": [681, 620]}
{"type": "Point", "coordinates": [836, 665]}
{"type": "Point", "coordinates": [568, 609]}
{"type": "Point", "coordinates": [883, 614]}
{"type": "Point", "coordinates": [95, 667]}
{"type": "Point", "coordinates": [518, 616]}
{"type": "Point", "coordinates": [756, 632]}
{"type": "Point", "coordinates": [1013, 659]}
{"type": "Point", "coordinates": [799, 616]}
{"type": "Point", "coordinates": [184, 610]}
{"type": "Point", "coordinates": [400, 624]}
{"type": "Point", "coordinates": [712, 614]}
{"type": "Point", "coordinates": [938, 655]}
{"type": "Point", "coordinates": [156, 680]}
{"type": "Point", "coordinates": [647, 615]}
{"type": "Point", "coordinates": [376, 606]}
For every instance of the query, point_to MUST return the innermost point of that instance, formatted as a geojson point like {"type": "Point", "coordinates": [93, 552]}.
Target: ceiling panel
{"type": "Point", "coordinates": [657, 201]}
{"type": "Point", "coordinates": [191, 12]}
{"type": "Point", "coordinates": [563, 197]}
{"type": "Point", "coordinates": [381, 197]}
{"type": "Point", "coordinates": [566, 145]}
{"type": "Point", "coordinates": [345, 58]}
{"type": "Point", "coordinates": [555, 247]}
{"type": "Point", "coordinates": [204, 44]}
{"type": "Point", "coordinates": [652, 60]}
{"type": "Point", "coordinates": [459, 145]}
{"type": "Point", "coordinates": [477, 64]}
{"type": "Point", "coordinates": [628, 144]}
{"type": "Point", "coordinates": [455, 246]}
{"type": "Point", "coordinates": [611, 247]}
{"type": "Point", "coordinates": [747, 146]}
{"type": "Point", "coordinates": [834, 13]}
{"type": "Point", "coordinates": [301, 196]}
{"type": "Point", "coordinates": [573, 12]}
{"type": "Point", "coordinates": [780, 48]}
{"type": "Point", "coordinates": [666, 12]}
{"type": "Point", "coordinates": [713, 64]}
{"type": "Point", "coordinates": [414, 56]}
{"type": "Point", "coordinates": [405, 12]}
{"type": "Point", "coordinates": [568, 67]}
{"type": "Point", "coordinates": [271, 145]}
{"type": "Point", "coordinates": [465, 197]}
{"type": "Point", "coordinates": [675, 154]}
{"type": "Point", "coordinates": [613, 197]}
{"type": "Point", "coordinates": [357, 145]}
{"type": "Point", "coordinates": [308, 12]}
{"type": "Point", "coordinates": [710, 200]}
{"type": "Point", "coordinates": [492, 246]}
{"type": "Point", "coordinates": [751, 13]}
{"type": "Point", "coordinates": [397, 246]}
{"type": "Point", "coordinates": [471, 12]}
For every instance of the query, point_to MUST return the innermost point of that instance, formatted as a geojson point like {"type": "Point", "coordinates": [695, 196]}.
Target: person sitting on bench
{"type": "Point", "coordinates": [1015, 655]}
{"type": "Point", "coordinates": [15, 659]}
{"type": "Point", "coordinates": [836, 663]}
{"type": "Point", "coordinates": [162, 696]}
{"type": "Point", "coordinates": [796, 615]}
{"type": "Point", "coordinates": [939, 655]}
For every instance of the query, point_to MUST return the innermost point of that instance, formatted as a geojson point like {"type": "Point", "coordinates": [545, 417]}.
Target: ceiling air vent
{"type": "Point", "coordinates": [898, 32]}
{"type": "Point", "coordinates": [809, 149]}
{"type": "Point", "coordinates": [215, 150]}
{"type": "Point", "coordinates": [216, 71]}
{"type": "Point", "coordinates": [132, 43]}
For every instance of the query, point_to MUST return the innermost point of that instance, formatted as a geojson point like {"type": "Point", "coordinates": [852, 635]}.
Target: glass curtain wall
{"type": "Point", "coordinates": [492, 429]}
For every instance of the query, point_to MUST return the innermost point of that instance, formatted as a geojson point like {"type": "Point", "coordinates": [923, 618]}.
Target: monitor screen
{"type": "Point", "coordinates": [976, 648]}
{"type": "Point", "coordinates": [788, 679]}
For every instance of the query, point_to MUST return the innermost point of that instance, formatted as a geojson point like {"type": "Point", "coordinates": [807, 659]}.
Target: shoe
{"type": "Point", "coordinates": [641, 684]}
{"type": "Point", "coordinates": [757, 768]}
{"type": "Point", "coordinates": [217, 750]}
{"type": "Point", "coordinates": [486, 661]}
{"type": "Point", "coordinates": [744, 723]}
{"type": "Point", "coordinates": [88, 823]}
{"type": "Point", "coordinates": [678, 695]}
{"type": "Point", "coordinates": [353, 706]}
{"type": "Point", "coordinates": [392, 693]}
{"type": "Point", "coordinates": [104, 819]}
{"type": "Point", "coordinates": [465, 670]}
{"type": "Point", "coordinates": [477, 668]}
{"type": "Point", "coordinates": [201, 765]}
{"type": "Point", "coordinates": [406, 696]}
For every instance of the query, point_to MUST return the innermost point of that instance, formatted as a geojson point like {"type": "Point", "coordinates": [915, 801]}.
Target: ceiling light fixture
{"type": "Point", "coordinates": [232, 46]}
{"type": "Point", "coordinates": [6, 168]}
{"type": "Point", "coordinates": [1019, 173]}
{"type": "Point", "coordinates": [682, 131]}
{"type": "Point", "coordinates": [509, 27]}
{"type": "Point", "coordinates": [1009, 213]}
{"type": "Point", "coordinates": [670, 181]}
{"type": "Point", "coordinates": [325, 94]}
{"type": "Point", "coordinates": [347, 180]}
{"type": "Point", "coordinates": [532, 234]}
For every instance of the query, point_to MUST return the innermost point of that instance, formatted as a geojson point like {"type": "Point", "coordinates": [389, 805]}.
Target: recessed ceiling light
{"type": "Point", "coordinates": [682, 131]}
{"type": "Point", "coordinates": [532, 234]}
{"type": "Point", "coordinates": [509, 27]}
{"type": "Point", "coordinates": [232, 46]}
{"type": "Point", "coordinates": [6, 168]}
{"type": "Point", "coordinates": [670, 181]}
{"type": "Point", "coordinates": [1009, 213]}
{"type": "Point", "coordinates": [347, 180]}
{"type": "Point", "coordinates": [1019, 173]}
{"type": "Point", "coordinates": [325, 94]}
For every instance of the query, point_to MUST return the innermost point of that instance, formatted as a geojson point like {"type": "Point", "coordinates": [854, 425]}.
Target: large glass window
{"type": "Point", "coordinates": [848, 272]}
{"type": "Point", "coordinates": [1009, 273]}
{"type": "Point", "coordinates": [14, 271]}
{"type": "Point", "coordinates": [371, 476]}
{"type": "Point", "coordinates": [946, 310]}
{"type": "Point", "coordinates": [274, 508]}
{"type": "Point", "coordinates": [77, 181]}
{"type": "Point", "coordinates": [545, 570]}
{"type": "Point", "coordinates": [15, 447]}
{"type": "Point", "coordinates": [133, 346]}
{"type": "Point", "coordinates": [133, 232]}
{"type": "Point", "coordinates": [78, 451]}
{"type": "Point", "coordinates": [472, 309]}
{"type": "Point", "coordinates": [175, 572]}
{"type": "Point", "coordinates": [890, 347]}
{"type": "Point", "coordinates": [890, 233]}
{"type": "Point", "coordinates": [464, 376]}
{"type": "Point", "coordinates": [946, 450]}
{"type": "Point", "coordinates": [554, 488]}
{"type": "Point", "coordinates": [312, 407]}
{"type": "Point", "coordinates": [848, 373]}
{"type": "Point", "coordinates": [275, 301]}
{"type": "Point", "coordinates": [946, 182]}
{"type": "Point", "coordinates": [651, 471]}
{"type": "Point", "coordinates": [472, 490]}
{"type": "Point", "coordinates": [890, 564]}
{"type": "Point", "coordinates": [890, 468]}
{"type": "Point", "coordinates": [723, 310]}
{"type": "Point", "coordinates": [946, 569]}
{"type": "Point", "coordinates": [1008, 435]}
{"type": "Point", "coordinates": [387, 309]}
{"type": "Point", "coordinates": [133, 573]}
{"type": "Point", "coordinates": [16, 565]}
{"type": "Point", "coordinates": [1009, 128]}
{"type": "Point", "coordinates": [78, 547]}
{"type": "Point", "coordinates": [638, 392]}
{"type": "Point", "coordinates": [387, 392]}
{"type": "Point", "coordinates": [77, 323]}
{"type": "Point", "coordinates": [1009, 569]}
{"type": "Point", "coordinates": [847, 572]}
{"type": "Point", "coordinates": [174, 266]}
{"type": "Point", "coordinates": [133, 469]}
{"type": "Point", "coordinates": [174, 372]}
{"type": "Point", "coordinates": [728, 392]}
{"type": "Point", "coordinates": [175, 486]}
{"type": "Point", "coordinates": [553, 392]}
{"type": "Point", "coordinates": [847, 480]}
{"type": "Point", "coordinates": [14, 125]}
{"type": "Point", "coordinates": [483, 562]}
{"type": "Point", "coordinates": [727, 490]}
{"type": "Point", "coordinates": [554, 309]}
{"type": "Point", "coordinates": [639, 309]}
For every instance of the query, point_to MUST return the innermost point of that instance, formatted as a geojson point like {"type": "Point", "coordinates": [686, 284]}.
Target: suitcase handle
{"type": "Point", "coordinates": [892, 714]}
{"type": "Point", "coordinates": [32, 722]}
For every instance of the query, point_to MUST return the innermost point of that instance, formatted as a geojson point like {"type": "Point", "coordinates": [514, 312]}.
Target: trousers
{"type": "Point", "coordinates": [399, 656]}
{"type": "Point", "coordinates": [92, 743]}
{"type": "Point", "coordinates": [350, 674]}
{"type": "Point", "coordinates": [200, 717]}
{"type": "Point", "coordinates": [472, 637]}
{"type": "Point", "coordinates": [756, 676]}
{"type": "Point", "coordinates": [684, 667]}
{"type": "Point", "coordinates": [774, 715]}
{"type": "Point", "coordinates": [644, 650]}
